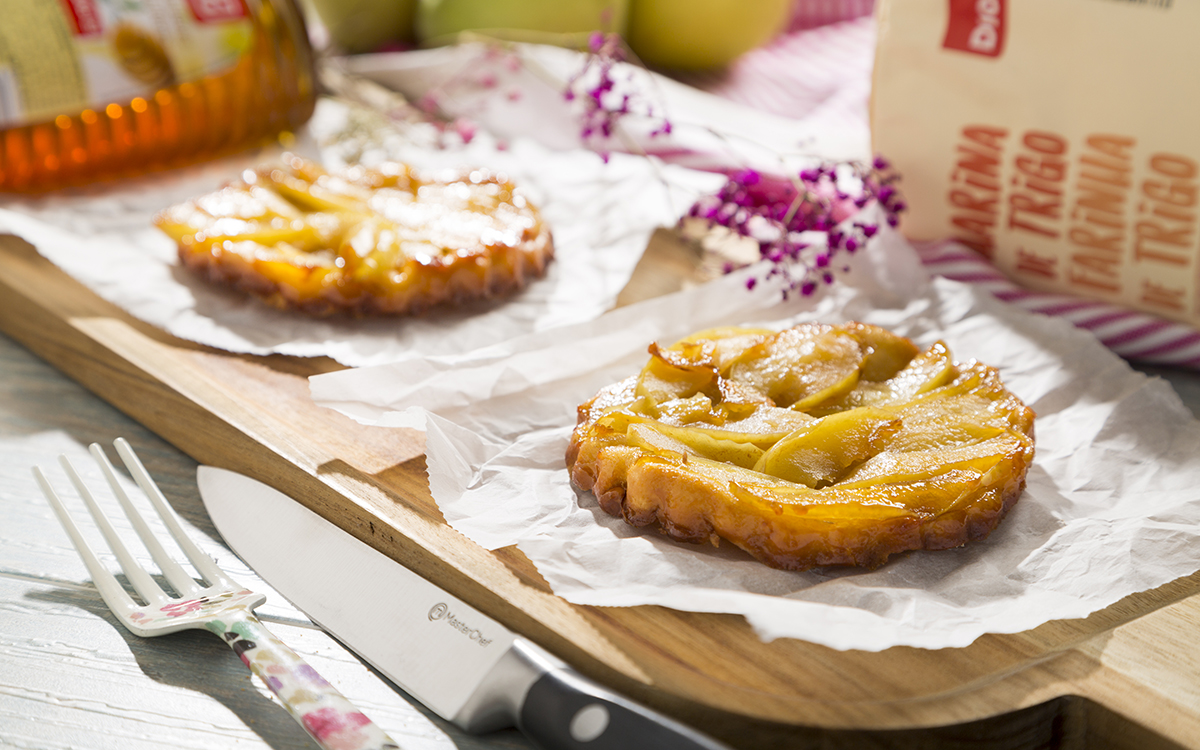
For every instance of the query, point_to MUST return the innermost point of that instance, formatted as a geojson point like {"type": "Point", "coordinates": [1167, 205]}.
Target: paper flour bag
{"type": "Point", "coordinates": [1059, 138]}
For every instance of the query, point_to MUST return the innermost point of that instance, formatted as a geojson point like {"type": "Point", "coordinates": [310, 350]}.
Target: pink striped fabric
{"type": "Point", "coordinates": [1131, 334]}
{"type": "Point", "coordinates": [807, 14]}
{"type": "Point", "coordinates": [820, 72]}
{"type": "Point", "coordinates": [821, 69]}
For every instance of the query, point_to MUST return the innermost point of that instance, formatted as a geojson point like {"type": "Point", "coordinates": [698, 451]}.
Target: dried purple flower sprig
{"type": "Point", "coordinates": [777, 213]}
{"type": "Point", "coordinates": [492, 70]}
{"type": "Point", "coordinates": [604, 99]}
{"type": "Point", "coordinates": [604, 89]}
{"type": "Point", "coordinates": [780, 213]}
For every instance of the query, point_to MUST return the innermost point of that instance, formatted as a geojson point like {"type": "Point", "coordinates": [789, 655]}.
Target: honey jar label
{"type": "Point", "coordinates": [62, 57]}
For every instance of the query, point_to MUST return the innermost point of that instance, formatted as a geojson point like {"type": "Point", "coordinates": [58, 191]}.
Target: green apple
{"type": "Point", "coordinates": [438, 20]}
{"type": "Point", "coordinates": [365, 25]}
{"type": "Point", "coordinates": [701, 34]}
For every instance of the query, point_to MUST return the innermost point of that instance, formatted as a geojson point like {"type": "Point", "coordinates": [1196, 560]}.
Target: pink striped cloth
{"type": "Point", "coordinates": [807, 14]}
{"type": "Point", "coordinates": [821, 68]}
{"type": "Point", "coordinates": [822, 72]}
{"type": "Point", "coordinates": [1131, 334]}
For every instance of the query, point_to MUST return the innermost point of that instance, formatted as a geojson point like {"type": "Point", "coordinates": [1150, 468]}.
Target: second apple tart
{"type": "Point", "coordinates": [368, 241]}
{"type": "Point", "coordinates": [813, 446]}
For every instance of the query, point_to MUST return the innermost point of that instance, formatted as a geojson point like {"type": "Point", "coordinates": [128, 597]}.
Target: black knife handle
{"type": "Point", "coordinates": [565, 711]}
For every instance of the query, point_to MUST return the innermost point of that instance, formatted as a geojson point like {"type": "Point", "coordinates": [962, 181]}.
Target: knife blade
{"type": "Point", "coordinates": [463, 665]}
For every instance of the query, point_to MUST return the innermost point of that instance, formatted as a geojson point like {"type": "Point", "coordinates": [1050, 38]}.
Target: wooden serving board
{"type": "Point", "coordinates": [1127, 676]}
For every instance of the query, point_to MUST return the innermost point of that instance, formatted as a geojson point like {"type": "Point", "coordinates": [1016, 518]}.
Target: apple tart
{"type": "Point", "coordinates": [817, 445]}
{"type": "Point", "coordinates": [365, 242]}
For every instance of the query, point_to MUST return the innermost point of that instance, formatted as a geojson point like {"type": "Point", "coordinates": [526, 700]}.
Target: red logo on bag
{"type": "Point", "coordinates": [976, 26]}
{"type": "Point", "coordinates": [84, 17]}
{"type": "Point", "coordinates": [209, 11]}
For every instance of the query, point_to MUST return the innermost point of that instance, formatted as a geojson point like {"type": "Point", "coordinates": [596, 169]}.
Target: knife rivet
{"type": "Point", "coordinates": [589, 722]}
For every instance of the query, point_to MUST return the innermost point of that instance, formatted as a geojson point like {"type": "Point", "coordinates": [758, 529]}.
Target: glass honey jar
{"type": "Point", "coordinates": [96, 89]}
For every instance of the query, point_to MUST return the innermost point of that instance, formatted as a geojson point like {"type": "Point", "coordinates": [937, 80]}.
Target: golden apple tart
{"type": "Point", "coordinates": [378, 241]}
{"type": "Point", "coordinates": [813, 446]}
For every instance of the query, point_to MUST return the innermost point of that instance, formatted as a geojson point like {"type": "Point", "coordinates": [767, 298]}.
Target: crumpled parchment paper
{"type": "Point", "coordinates": [1112, 504]}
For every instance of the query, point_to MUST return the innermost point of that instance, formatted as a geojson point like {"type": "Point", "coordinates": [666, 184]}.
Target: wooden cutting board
{"type": "Point", "coordinates": [1127, 676]}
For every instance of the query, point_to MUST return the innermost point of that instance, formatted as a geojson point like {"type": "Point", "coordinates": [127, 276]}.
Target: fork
{"type": "Point", "coordinates": [222, 606]}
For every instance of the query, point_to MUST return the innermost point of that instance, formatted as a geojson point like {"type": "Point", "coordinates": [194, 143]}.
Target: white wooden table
{"type": "Point", "coordinates": [72, 677]}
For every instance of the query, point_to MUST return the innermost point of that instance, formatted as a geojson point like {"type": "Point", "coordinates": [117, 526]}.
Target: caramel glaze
{"type": "Point", "coordinates": [382, 241]}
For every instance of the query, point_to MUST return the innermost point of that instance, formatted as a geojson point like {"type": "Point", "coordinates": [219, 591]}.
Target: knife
{"type": "Point", "coordinates": [463, 665]}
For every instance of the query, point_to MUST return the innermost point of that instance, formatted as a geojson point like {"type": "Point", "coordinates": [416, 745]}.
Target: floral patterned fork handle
{"type": "Point", "coordinates": [221, 606]}
{"type": "Point", "coordinates": [324, 712]}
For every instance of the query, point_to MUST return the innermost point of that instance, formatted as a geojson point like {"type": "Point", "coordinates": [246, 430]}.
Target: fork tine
{"type": "Point", "coordinates": [202, 562]}
{"type": "Point", "coordinates": [121, 604]}
{"type": "Point", "coordinates": [184, 584]}
{"type": "Point", "coordinates": [314, 703]}
{"type": "Point", "coordinates": [150, 591]}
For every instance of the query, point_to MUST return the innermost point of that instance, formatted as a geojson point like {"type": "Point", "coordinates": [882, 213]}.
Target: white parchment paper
{"type": "Point", "coordinates": [1112, 504]}
{"type": "Point", "coordinates": [601, 214]}
{"type": "Point", "coordinates": [474, 80]}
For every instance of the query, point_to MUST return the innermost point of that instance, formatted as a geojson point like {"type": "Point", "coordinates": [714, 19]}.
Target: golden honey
{"type": "Point", "coordinates": [89, 93]}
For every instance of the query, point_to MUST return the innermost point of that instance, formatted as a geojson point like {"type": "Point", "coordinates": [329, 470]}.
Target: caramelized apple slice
{"type": "Point", "coordinates": [725, 344]}
{"type": "Point", "coordinates": [694, 442]}
{"type": "Point", "coordinates": [930, 369]}
{"type": "Point", "coordinates": [697, 408]}
{"type": "Point", "coordinates": [817, 454]}
{"type": "Point", "coordinates": [801, 367]}
{"type": "Point", "coordinates": [645, 436]}
{"type": "Point", "coordinates": [661, 380]}
{"type": "Point", "coordinates": [884, 353]}
{"type": "Point", "coordinates": [946, 422]}
{"type": "Point", "coordinates": [766, 427]}
{"type": "Point", "coordinates": [911, 466]}
{"type": "Point", "coordinates": [682, 439]}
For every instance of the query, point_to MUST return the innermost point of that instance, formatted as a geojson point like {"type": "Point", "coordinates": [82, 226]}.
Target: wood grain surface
{"type": "Point", "coordinates": [1127, 676]}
